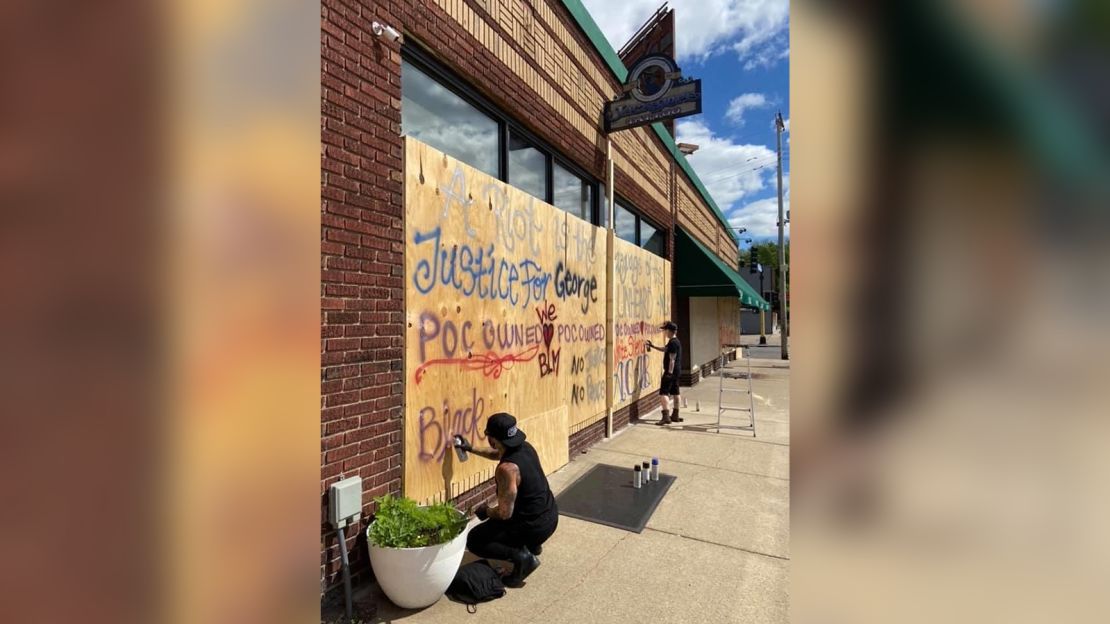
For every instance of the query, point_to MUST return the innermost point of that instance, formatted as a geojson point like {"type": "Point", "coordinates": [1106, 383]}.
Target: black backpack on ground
{"type": "Point", "coordinates": [476, 582]}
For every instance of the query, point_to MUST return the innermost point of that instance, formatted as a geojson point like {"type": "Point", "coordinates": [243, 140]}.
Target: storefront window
{"type": "Point", "coordinates": [459, 122]}
{"type": "Point", "coordinates": [527, 167]}
{"type": "Point", "coordinates": [572, 193]}
{"type": "Point", "coordinates": [652, 239]}
{"type": "Point", "coordinates": [438, 117]}
{"type": "Point", "coordinates": [630, 226]}
{"type": "Point", "coordinates": [624, 224]}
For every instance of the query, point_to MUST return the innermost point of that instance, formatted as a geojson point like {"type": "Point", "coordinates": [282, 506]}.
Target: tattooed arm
{"type": "Point", "coordinates": [508, 479]}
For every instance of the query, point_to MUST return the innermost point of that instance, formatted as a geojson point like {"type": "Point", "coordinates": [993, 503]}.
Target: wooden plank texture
{"type": "Point", "coordinates": [505, 311]}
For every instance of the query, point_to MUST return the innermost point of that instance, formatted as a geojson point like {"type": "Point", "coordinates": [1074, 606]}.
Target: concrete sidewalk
{"type": "Point", "coordinates": [715, 550]}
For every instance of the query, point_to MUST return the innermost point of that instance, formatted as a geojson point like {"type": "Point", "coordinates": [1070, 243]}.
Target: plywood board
{"type": "Point", "coordinates": [583, 335]}
{"type": "Point", "coordinates": [547, 432]}
{"type": "Point", "coordinates": [505, 308]}
{"type": "Point", "coordinates": [641, 303]}
{"type": "Point", "coordinates": [728, 314]}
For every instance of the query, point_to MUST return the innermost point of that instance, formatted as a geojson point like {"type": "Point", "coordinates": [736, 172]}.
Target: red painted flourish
{"type": "Point", "coordinates": [491, 364]}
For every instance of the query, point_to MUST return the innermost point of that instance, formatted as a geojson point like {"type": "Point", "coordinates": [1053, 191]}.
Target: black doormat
{"type": "Point", "coordinates": [605, 495]}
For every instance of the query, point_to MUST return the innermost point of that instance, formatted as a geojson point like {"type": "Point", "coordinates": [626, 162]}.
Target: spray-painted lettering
{"type": "Point", "coordinates": [475, 272]}
{"type": "Point", "coordinates": [438, 425]}
{"type": "Point", "coordinates": [631, 376]}
{"type": "Point", "coordinates": [549, 359]}
{"type": "Point", "coordinates": [580, 333]}
{"type": "Point", "coordinates": [455, 193]}
{"type": "Point", "coordinates": [570, 284]}
{"type": "Point", "coordinates": [515, 224]}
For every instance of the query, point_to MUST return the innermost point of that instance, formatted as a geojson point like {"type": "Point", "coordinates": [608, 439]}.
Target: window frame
{"type": "Point", "coordinates": [640, 218]}
{"type": "Point", "coordinates": [451, 84]}
{"type": "Point", "coordinates": [425, 62]}
{"type": "Point", "coordinates": [548, 170]}
{"type": "Point", "coordinates": [593, 209]}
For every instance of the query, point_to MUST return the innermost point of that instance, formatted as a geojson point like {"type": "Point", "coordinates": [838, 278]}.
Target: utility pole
{"type": "Point", "coordinates": [757, 267]}
{"type": "Point", "coordinates": [784, 327]}
{"type": "Point", "coordinates": [762, 325]}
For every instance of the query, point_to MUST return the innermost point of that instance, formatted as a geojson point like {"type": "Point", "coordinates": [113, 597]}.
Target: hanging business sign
{"type": "Point", "coordinates": [655, 91]}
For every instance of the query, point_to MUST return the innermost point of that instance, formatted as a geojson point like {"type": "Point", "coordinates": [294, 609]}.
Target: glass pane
{"type": "Point", "coordinates": [438, 117]}
{"type": "Point", "coordinates": [652, 239]}
{"type": "Point", "coordinates": [572, 193]}
{"type": "Point", "coordinates": [624, 224]}
{"type": "Point", "coordinates": [527, 167]}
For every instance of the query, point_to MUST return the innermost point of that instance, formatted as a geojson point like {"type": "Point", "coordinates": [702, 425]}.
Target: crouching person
{"type": "Point", "coordinates": [525, 515]}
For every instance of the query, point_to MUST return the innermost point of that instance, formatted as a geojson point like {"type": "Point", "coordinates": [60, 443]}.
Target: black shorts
{"type": "Point", "coordinates": [669, 385]}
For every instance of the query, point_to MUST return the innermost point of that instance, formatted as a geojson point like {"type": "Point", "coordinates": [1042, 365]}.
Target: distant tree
{"type": "Point", "coordinates": [766, 254]}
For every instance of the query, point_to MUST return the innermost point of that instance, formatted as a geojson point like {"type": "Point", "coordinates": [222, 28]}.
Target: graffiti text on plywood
{"type": "Point", "coordinates": [640, 305]}
{"type": "Point", "coordinates": [475, 271]}
{"type": "Point", "coordinates": [549, 357]}
{"type": "Point", "coordinates": [438, 424]}
{"type": "Point", "coordinates": [588, 375]}
{"type": "Point", "coordinates": [571, 285]}
{"type": "Point", "coordinates": [501, 292]}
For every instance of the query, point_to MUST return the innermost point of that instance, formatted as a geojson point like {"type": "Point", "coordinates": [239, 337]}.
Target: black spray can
{"type": "Point", "coordinates": [459, 450]}
{"type": "Point", "coordinates": [636, 476]}
{"type": "Point", "coordinates": [645, 468]}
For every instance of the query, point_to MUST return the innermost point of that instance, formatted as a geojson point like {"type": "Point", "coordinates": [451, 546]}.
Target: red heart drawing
{"type": "Point", "coordinates": [548, 334]}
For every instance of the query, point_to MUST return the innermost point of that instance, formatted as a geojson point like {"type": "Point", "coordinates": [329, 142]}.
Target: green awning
{"type": "Point", "coordinates": [700, 273]}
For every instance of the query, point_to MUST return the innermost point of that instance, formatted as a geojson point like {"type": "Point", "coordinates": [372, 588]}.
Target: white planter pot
{"type": "Point", "coordinates": [414, 578]}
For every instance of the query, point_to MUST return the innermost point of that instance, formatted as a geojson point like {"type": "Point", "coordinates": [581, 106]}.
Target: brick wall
{"type": "Point", "coordinates": [587, 437]}
{"type": "Point", "coordinates": [361, 252]}
{"type": "Point", "coordinates": [529, 59]}
{"type": "Point", "coordinates": [633, 412]}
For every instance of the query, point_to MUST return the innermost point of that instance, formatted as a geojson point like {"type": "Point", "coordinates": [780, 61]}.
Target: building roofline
{"type": "Point", "coordinates": [639, 35]}
{"type": "Point", "coordinates": [586, 22]}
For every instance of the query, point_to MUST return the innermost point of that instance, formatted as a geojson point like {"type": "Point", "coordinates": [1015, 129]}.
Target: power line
{"type": "Point", "coordinates": [711, 172]}
{"type": "Point", "coordinates": [740, 172]}
{"type": "Point", "coordinates": [745, 165]}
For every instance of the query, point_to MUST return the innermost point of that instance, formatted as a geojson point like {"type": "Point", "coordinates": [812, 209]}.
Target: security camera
{"type": "Point", "coordinates": [389, 31]}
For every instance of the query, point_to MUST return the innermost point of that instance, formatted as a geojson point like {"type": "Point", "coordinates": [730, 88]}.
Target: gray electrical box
{"type": "Point", "coordinates": [345, 502]}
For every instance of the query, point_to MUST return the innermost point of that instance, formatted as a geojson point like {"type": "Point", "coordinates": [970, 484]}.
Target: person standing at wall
{"type": "Point", "coordinates": [668, 387]}
{"type": "Point", "coordinates": [525, 515]}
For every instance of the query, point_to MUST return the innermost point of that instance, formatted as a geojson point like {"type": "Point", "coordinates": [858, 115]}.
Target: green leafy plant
{"type": "Point", "coordinates": [401, 523]}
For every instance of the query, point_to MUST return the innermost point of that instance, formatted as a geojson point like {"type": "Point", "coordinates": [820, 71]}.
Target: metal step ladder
{"type": "Point", "coordinates": [725, 373]}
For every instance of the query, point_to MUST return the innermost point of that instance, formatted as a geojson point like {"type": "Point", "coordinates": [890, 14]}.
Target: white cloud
{"type": "Point", "coordinates": [754, 29]}
{"type": "Point", "coordinates": [765, 53]}
{"type": "Point", "coordinates": [742, 103]}
{"type": "Point", "coordinates": [761, 216]}
{"type": "Point", "coordinates": [730, 171]}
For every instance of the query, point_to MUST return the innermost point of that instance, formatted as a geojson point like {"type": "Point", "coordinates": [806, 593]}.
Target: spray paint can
{"type": "Point", "coordinates": [646, 469]}
{"type": "Point", "coordinates": [654, 468]}
{"type": "Point", "coordinates": [459, 450]}
{"type": "Point", "coordinates": [636, 476]}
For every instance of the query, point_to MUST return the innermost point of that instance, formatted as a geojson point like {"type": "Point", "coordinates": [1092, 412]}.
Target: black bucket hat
{"type": "Point", "coordinates": [502, 427]}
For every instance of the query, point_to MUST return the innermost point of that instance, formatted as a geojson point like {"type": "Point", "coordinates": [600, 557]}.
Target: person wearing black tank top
{"type": "Point", "coordinates": [672, 363]}
{"type": "Point", "coordinates": [525, 515]}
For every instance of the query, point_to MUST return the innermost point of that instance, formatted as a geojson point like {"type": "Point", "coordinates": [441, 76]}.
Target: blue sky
{"type": "Point", "coordinates": [740, 50]}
